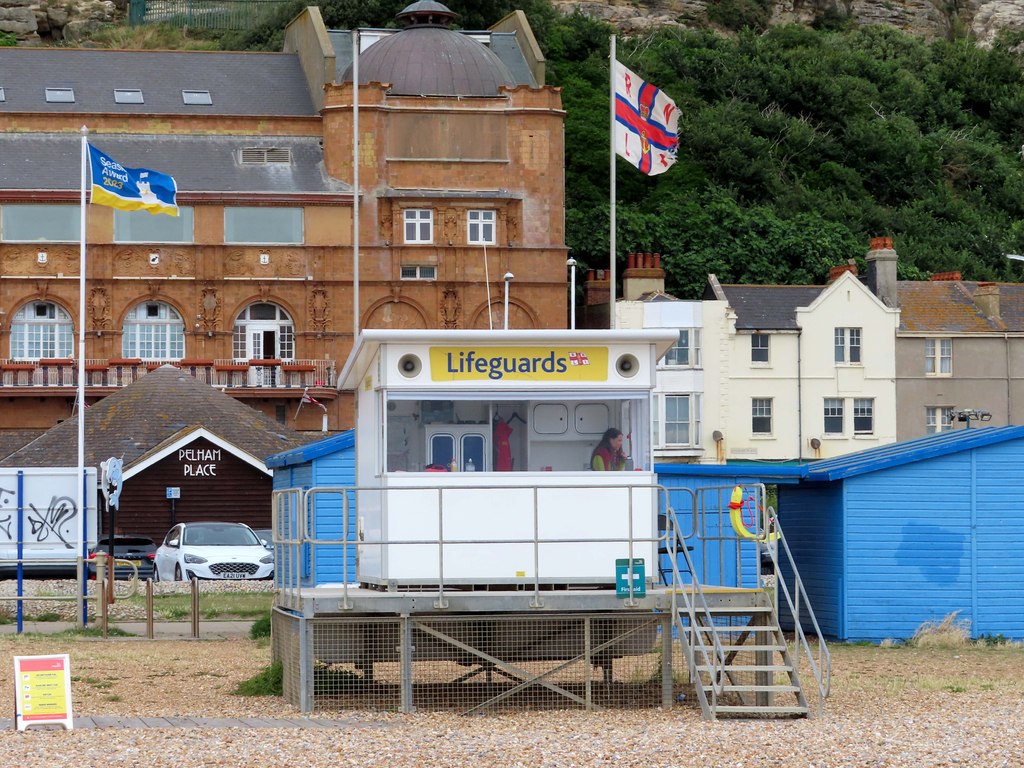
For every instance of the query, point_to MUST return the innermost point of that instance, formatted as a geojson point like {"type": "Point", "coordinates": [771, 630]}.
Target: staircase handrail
{"type": "Point", "coordinates": [717, 670]}
{"type": "Point", "coordinates": [822, 669]}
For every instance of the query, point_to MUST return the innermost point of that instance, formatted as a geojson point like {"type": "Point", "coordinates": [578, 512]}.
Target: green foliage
{"type": "Point", "coordinates": [260, 628]}
{"type": "Point", "coordinates": [8, 40]}
{"type": "Point", "coordinates": [740, 14]}
{"type": "Point", "coordinates": [269, 682]}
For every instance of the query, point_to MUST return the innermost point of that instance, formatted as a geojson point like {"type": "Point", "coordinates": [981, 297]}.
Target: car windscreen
{"type": "Point", "coordinates": [220, 536]}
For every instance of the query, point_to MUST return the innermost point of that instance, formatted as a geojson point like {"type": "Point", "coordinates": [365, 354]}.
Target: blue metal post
{"type": "Point", "coordinates": [21, 549]}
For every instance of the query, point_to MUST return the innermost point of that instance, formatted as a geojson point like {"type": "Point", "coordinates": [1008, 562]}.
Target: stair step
{"type": "Point", "coordinates": [752, 647]}
{"type": "Point", "coordinates": [755, 710]}
{"type": "Point", "coordinates": [780, 668]}
{"type": "Point", "coordinates": [758, 628]}
{"type": "Point", "coordinates": [756, 688]}
{"type": "Point", "coordinates": [741, 609]}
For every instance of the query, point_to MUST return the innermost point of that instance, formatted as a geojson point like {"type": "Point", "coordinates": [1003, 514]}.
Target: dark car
{"type": "Point", "coordinates": [140, 550]}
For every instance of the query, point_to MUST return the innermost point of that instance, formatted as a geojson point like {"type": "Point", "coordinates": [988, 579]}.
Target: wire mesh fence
{"type": "Point", "coordinates": [483, 663]}
{"type": "Point", "coordinates": [205, 14]}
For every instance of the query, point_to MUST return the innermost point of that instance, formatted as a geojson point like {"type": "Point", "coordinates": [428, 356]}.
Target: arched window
{"type": "Point", "coordinates": [41, 329]}
{"type": "Point", "coordinates": [263, 332]}
{"type": "Point", "coordinates": [153, 330]}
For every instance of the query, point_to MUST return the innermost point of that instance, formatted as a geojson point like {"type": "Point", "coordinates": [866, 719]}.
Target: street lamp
{"type": "Point", "coordinates": [571, 264]}
{"type": "Point", "coordinates": [508, 279]}
{"type": "Point", "coordinates": [968, 415]}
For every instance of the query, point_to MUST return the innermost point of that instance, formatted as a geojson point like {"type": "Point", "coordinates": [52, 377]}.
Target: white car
{"type": "Point", "coordinates": [212, 551]}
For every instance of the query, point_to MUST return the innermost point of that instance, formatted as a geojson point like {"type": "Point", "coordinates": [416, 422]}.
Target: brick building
{"type": "Point", "coordinates": [251, 288]}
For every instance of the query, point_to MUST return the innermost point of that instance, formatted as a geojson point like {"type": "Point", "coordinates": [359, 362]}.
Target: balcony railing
{"type": "Point", "coordinates": [230, 374]}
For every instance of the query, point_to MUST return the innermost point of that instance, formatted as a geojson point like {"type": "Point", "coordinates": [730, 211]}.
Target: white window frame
{"type": "Point", "coordinates": [692, 422]}
{"type": "Point", "coordinates": [281, 323]}
{"type": "Point", "coordinates": [767, 349]}
{"type": "Point", "coordinates": [760, 408]}
{"type": "Point", "coordinates": [833, 408]}
{"type": "Point", "coordinates": [938, 357]}
{"type": "Point", "coordinates": [687, 346]}
{"type": "Point", "coordinates": [35, 337]}
{"type": "Point", "coordinates": [938, 418]}
{"type": "Point", "coordinates": [484, 222]}
{"type": "Point", "coordinates": [418, 272]}
{"type": "Point", "coordinates": [848, 349]}
{"type": "Point", "coordinates": [418, 226]}
{"type": "Point", "coordinates": [149, 337]}
{"type": "Point", "coordinates": [864, 408]}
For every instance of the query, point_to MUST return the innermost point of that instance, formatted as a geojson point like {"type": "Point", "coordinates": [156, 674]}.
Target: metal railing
{"type": "Point", "coordinates": [207, 14]}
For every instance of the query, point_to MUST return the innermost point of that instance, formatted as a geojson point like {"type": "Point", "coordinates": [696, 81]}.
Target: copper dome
{"type": "Point", "coordinates": [429, 59]}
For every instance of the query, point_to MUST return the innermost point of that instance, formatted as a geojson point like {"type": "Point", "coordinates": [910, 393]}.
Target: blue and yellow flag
{"type": "Point", "coordinates": [131, 189]}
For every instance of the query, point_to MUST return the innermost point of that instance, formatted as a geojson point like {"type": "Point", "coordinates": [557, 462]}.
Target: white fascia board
{"type": "Point", "coordinates": [191, 437]}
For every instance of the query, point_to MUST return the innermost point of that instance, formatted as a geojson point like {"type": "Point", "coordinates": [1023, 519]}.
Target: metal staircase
{"type": "Point", "coordinates": [740, 661]}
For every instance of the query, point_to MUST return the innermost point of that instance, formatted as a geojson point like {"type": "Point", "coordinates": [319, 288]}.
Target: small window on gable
{"type": "Point", "coordinates": [201, 98]}
{"type": "Point", "coordinates": [128, 96]}
{"type": "Point", "coordinates": [60, 95]}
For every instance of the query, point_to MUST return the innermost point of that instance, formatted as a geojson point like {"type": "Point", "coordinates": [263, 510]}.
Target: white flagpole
{"type": "Point", "coordinates": [81, 370]}
{"type": "Point", "coordinates": [487, 284]}
{"type": "Point", "coordinates": [611, 239]}
{"type": "Point", "coordinates": [355, 186]}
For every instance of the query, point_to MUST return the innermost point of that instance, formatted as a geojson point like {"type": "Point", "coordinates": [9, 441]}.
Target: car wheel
{"type": "Point", "coordinates": [177, 573]}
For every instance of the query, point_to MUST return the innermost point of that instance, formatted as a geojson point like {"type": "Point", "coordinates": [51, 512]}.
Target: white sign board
{"type": "Point", "coordinates": [51, 522]}
{"type": "Point", "coordinates": [173, 492]}
{"type": "Point", "coordinates": [42, 687]}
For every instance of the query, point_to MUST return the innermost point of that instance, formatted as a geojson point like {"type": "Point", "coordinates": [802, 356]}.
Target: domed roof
{"type": "Point", "coordinates": [429, 59]}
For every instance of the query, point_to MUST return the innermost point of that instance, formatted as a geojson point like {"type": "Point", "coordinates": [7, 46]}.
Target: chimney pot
{"type": "Point", "coordinates": [945, 276]}
{"type": "Point", "coordinates": [657, 261]}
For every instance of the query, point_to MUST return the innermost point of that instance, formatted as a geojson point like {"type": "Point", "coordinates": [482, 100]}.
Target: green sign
{"type": "Point", "coordinates": [622, 578]}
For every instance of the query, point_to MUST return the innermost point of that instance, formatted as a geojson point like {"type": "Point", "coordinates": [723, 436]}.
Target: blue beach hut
{"type": "Point", "coordinates": [892, 537]}
{"type": "Point", "coordinates": [327, 463]}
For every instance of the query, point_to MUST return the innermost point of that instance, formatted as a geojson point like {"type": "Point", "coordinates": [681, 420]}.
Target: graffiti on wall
{"type": "Point", "coordinates": [51, 518]}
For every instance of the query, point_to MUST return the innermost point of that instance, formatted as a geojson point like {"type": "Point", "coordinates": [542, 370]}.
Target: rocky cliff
{"type": "Point", "coordinates": [928, 18]}
{"type": "Point", "coordinates": [33, 21]}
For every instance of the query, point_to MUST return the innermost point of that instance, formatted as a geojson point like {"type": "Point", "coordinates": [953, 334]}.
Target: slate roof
{"type": "Point", "coordinates": [51, 161]}
{"type": "Point", "coordinates": [13, 439]}
{"type": "Point", "coordinates": [769, 307]}
{"type": "Point", "coordinates": [132, 421]}
{"type": "Point", "coordinates": [948, 306]}
{"type": "Point", "coordinates": [239, 83]}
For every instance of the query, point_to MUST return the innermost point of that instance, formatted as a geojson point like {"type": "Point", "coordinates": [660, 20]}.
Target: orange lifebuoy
{"type": "Point", "coordinates": [736, 516]}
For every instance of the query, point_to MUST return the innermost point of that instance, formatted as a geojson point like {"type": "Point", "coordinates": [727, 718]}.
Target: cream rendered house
{"type": "Point", "coordinates": [798, 372]}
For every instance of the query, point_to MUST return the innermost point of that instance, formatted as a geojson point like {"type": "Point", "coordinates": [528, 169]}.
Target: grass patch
{"type": "Point", "coordinates": [226, 605]}
{"type": "Point", "coordinates": [269, 682]}
{"type": "Point", "coordinates": [88, 632]}
{"type": "Point", "coordinates": [45, 616]}
{"type": "Point", "coordinates": [948, 633]}
{"type": "Point", "coordinates": [260, 628]}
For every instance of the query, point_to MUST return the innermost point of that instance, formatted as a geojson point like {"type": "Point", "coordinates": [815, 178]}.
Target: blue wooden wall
{"type": "Point", "coordinates": [323, 563]}
{"type": "Point", "coordinates": [883, 552]}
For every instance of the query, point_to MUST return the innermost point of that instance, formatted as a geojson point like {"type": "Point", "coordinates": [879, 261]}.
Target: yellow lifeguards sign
{"type": "Point", "coordinates": [42, 691]}
{"type": "Point", "coordinates": [548, 364]}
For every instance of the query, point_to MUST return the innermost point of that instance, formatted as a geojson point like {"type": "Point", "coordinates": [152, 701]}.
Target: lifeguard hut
{"type": "Point", "coordinates": [494, 568]}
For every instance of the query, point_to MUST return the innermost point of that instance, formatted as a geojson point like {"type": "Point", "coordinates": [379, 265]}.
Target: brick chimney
{"type": "Point", "coordinates": [643, 275]}
{"type": "Point", "coordinates": [596, 292]}
{"type": "Point", "coordinates": [881, 278]}
{"type": "Point", "coordinates": [835, 272]}
{"type": "Point", "coordinates": [986, 296]}
{"type": "Point", "coordinates": [942, 277]}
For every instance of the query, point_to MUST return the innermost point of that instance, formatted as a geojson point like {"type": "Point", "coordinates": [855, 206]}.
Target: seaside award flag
{"type": "Point", "coordinates": [645, 123]}
{"type": "Point", "coordinates": [131, 189]}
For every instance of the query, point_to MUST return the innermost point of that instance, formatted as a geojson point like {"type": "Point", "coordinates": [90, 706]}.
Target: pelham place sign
{"type": "Point", "coordinates": [199, 462]}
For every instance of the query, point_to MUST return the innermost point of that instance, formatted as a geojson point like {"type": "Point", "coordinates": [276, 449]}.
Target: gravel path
{"type": "Point", "coordinates": [898, 707]}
